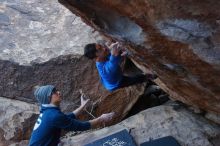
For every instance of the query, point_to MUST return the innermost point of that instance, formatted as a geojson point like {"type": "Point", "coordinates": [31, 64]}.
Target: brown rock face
{"type": "Point", "coordinates": [179, 40]}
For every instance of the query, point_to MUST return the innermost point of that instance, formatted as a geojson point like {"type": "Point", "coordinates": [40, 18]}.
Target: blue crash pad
{"type": "Point", "coordinates": [164, 141]}
{"type": "Point", "coordinates": [121, 138]}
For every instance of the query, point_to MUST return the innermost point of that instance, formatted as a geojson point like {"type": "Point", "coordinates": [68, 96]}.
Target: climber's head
{"type": "Point", "coordinates": [96, 51]}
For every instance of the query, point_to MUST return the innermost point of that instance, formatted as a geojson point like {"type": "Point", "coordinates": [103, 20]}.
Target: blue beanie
{"type": "Point", "coordinates": [43, 94]}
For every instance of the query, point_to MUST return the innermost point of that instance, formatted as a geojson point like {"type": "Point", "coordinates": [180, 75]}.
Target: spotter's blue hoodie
{"type": "Point", "coordinates": [48, 127]}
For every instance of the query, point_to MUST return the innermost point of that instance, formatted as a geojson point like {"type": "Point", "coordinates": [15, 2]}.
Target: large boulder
{"type": "Point", "coordinates": [179, 40]}
{"type": "Point", "coordinates": [165, 120]}
{"type": "Point", "coordinates": [40, 30]}
{"type": "Point", "coordinates": [17, 119]}
{"type": "Point", "coordinates": [70, 74]}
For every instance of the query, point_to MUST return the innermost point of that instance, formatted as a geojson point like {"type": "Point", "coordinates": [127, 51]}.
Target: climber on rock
{"type": "Point", "coordinates": [47, 129]}
{"type": "Point", "coordinates": [108, 59]}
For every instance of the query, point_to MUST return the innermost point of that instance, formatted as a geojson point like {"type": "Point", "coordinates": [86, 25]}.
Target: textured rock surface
{"type": "Point", "coordinates": [66, 72]}
{"type": "Point", "coordinates": [40, 30]}
{"type": "Point", "coordinates": [213, 117]}
{"type": "Point", "coordinates": [179, 40]}
{"type": "Point", "coordinates": [16, 120]}
{"type": "Point", "coordinates": [172, 119]}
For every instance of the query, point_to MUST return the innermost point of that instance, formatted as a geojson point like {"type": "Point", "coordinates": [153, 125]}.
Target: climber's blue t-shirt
{"type": "Point", "coordinates": [48, 127]}
{"type": "Point", "coordinates": [110, 72]}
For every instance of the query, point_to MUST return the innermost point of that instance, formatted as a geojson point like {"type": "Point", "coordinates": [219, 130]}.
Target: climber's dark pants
{"type": "Point", "coordinates": [128, 81]}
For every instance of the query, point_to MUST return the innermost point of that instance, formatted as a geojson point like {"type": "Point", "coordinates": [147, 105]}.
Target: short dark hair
{"type": "Point", "coordinates": [90, 51]}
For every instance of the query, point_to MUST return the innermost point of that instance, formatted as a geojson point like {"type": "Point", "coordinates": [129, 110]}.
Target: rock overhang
{"type": "Point", "coordinates": [177, 40]}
